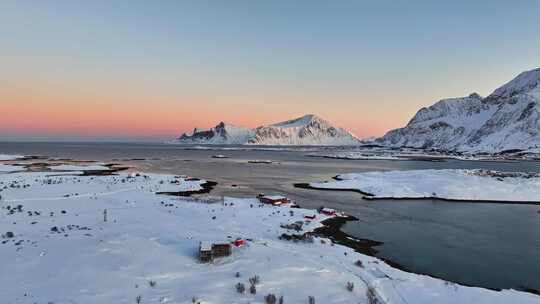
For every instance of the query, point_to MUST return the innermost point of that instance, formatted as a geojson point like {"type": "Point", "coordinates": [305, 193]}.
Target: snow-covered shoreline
{"type": "Point", "coordinates": [450, 184]}
{"type": "Point", "coordinates": [4, 157]}
{"type": "Point", "coordinates": [54, 228]}
{"type": "Point", "coordinates": [411, 154]}
{"type": "Point", "coordinates": [375, 152]}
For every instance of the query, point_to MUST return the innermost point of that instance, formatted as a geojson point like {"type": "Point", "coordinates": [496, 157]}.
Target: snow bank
{"type": "Point", "coordinates": [452, 184]}
{"type": "Point", "coordinates": [61, 250]}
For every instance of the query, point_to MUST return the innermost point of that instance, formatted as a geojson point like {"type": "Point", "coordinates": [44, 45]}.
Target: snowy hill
{"type": "Point", "coordinates": [507, 119]}
{"type": "Point", "coordinates": [219, 135]}
{"type": "Point", "coordinates": [304, 131]}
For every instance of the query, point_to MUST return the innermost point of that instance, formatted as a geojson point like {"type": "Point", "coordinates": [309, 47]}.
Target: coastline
{"type": "Point", "coordinates": [331, 229]}
{"type": "Point", "coordinates": [369, 196]}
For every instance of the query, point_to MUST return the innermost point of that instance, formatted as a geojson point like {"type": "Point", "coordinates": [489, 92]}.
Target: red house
{"type": "Point", "coordinates": [275, 200]}
{"type": "Point", "coordinates": [328, 211]}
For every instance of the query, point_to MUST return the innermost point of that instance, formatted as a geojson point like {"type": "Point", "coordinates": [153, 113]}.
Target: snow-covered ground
{"type": "Point", "coordinates": [453, 184]}
{"type": "Point", "coordinates": [57, 248]}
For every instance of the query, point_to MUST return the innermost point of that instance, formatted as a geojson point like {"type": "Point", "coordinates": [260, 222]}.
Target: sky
{"type": "Point", "coordinates": [155, 69]}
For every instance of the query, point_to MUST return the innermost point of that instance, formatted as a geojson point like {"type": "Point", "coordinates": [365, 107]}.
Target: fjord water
{"type": "Point", "coordinates": [479, 244]}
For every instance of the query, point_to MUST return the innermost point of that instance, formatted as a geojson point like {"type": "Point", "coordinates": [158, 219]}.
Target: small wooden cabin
{"type": "Point", "coordinates": [209, 251]}
{"type": "Point", "coordinates": [328, 211]}
{"type": "Point", "coordinates": [221, 250]}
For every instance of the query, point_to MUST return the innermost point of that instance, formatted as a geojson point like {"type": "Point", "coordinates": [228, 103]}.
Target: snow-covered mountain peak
{"type": "Point", "coordinates": [299, 122]}
{"type": "Point", "coordinates": [306, 130]}
{"type": "Point", "coordinates": [226, 125]}
{"type": "Point", "coordinates": [525, 83]}
{"type": "Point", "coordinates": [475, 95]}
{"type": "Point", "coordinates": [507, 119]}
{"type": "Point", "coordinates": [449, 106]}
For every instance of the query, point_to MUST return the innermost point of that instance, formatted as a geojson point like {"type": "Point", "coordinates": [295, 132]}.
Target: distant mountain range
{"type": "Point", "coordinates": [507, 119]}
{"type": "Point", "coordinates": [304, 131]}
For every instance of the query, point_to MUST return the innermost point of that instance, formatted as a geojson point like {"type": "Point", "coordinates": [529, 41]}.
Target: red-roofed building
{"type": "Point", "coordinates": [275, 200]}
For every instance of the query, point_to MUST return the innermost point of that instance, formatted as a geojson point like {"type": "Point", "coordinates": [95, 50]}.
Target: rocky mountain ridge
{"type": "Point", "coordinates": [509, 118]}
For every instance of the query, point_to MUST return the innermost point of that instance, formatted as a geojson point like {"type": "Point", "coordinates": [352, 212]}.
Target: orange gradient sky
{"type": "Point", "coordinates": [142, 70]}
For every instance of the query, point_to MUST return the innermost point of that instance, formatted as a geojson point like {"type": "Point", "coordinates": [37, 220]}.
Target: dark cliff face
{"type": "Point", "coordinates": [199, 135]}
{"type": "Point", "coordinates": [220, 130]}
{"type": "Point", "coordinates": [204, 135]}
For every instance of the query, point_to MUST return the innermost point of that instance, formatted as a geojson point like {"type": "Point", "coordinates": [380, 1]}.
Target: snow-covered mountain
{"type": "Point", "coordinates": [507, 119]}
{"type": "Point", "coordinates": [222, 134]}
{"type": "Point", "coordinates": [304, 131]}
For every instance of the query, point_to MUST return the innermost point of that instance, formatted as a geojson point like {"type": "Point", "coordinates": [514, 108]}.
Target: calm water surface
{"type": "Point", "coordinates": [488, 245]}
